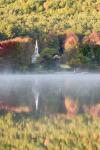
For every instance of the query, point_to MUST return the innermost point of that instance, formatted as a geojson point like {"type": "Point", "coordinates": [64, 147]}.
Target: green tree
{"type": "Point", "coordinates": [47, 58]}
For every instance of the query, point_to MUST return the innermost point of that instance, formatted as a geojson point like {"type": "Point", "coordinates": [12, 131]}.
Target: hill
{"type": "Point", "coordinates": [39, 17]}
{"type": "Point", "coordinates": [68, 28]}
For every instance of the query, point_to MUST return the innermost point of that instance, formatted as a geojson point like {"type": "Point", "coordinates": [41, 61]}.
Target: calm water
{"type": "Point", "coordinates": [46, 92]}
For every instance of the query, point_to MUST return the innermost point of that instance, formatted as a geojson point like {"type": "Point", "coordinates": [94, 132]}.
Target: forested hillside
{"type": "Point", "coordinates": [26, 17]}
{"type": "Point", "coordinates": [67, 28]}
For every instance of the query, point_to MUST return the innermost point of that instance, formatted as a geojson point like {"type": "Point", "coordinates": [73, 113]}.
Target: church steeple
{"type": "Point", "coordinates": [36, 53]}
{"type": "Point", "coordinates": [36, 48]}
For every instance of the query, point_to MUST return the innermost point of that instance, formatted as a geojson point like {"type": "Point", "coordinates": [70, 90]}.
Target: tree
{"type": "Point", "coordinates": [71, 44]}
{"type": "Point", "coordinates": [47, 58]}
{"type": "Point", "coordinates": [53, 42]}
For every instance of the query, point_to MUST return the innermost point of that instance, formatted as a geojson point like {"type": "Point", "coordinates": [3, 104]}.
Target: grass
{"type": "Point", "coordinates": [53, 132]}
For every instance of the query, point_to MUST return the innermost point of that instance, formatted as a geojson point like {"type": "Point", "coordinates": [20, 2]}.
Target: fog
{"type": "Point", "coordinates": [36, 90]}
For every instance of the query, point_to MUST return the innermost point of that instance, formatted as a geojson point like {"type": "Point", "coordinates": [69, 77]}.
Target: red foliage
{"type": "Point", "coordinates": [8, 46]}
{"type": "Point", "coordinates": [22, 39]}
{"type": "Point", "coordinates": [71, 40]}
{"type": "Point", "coordinates": [93, 38]}
{"type": "Point", "coordinates": [70, 34]}
{"type": "Point", "coordinates": [93, 111]}
{"type": "Point", "coordinates": [71, 107]}
{"type": "Point", "coordinates": [12, 108]}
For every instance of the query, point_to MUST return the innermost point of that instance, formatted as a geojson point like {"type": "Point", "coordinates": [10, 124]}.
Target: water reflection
{"type": "Point", "coordinates": [46, 93]}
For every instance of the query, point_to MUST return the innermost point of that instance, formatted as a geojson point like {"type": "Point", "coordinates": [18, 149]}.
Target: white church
{"type": "Point", "coordinates": [36, 53]}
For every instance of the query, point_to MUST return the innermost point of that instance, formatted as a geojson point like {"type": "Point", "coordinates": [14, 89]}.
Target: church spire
{"type": "Point", "coordinates": [36, 48]}
{"type": "Point", "coordinates": [36, 53]}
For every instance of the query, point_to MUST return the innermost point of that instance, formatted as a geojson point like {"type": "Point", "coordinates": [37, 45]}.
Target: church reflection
{"type": "Point", "coordinates": [45, 94]}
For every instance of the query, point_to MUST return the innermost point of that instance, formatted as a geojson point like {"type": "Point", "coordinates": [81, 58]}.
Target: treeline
{"type": "Point", "coordinates": [69, 48]}
{"type": "Point", "coordinates": [68, 32]}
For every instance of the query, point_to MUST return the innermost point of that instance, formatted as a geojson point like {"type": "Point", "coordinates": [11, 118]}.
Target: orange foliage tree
{"type": "Point", "coordinates": [71, 44]}
{"type": "Point", "coordinates": [93, 38]}
{"type": "Point", "coordinates": [93, 111]}
{"type": "Point", "coordinates": [71, 107]}
{"type": "Point", "coordinates": [71, 40]}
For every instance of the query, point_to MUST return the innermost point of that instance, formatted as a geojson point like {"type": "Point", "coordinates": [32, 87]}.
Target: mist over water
{"type": "Point", "coordinates": [48, 91]}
